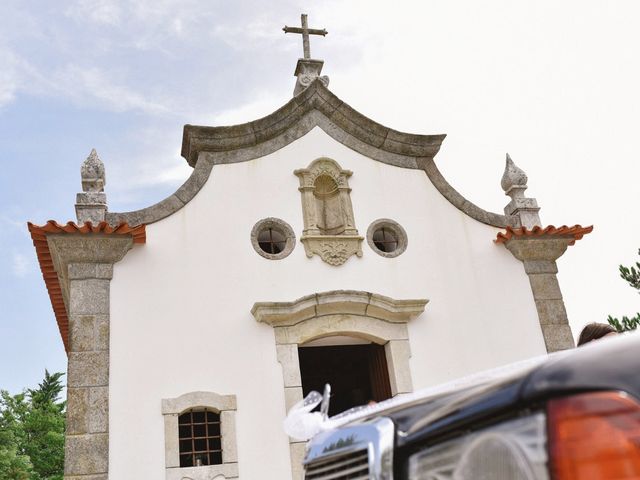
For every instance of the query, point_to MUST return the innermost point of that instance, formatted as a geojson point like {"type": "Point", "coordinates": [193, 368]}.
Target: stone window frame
{"type": "Point", "coordinates": [369, 316]}
{"type": "Point", "coordinates": [397, 229]}
{"type": "Point", "coordinates": [277, 224]}
{"type": "Point", "coordinates": [226, 406]}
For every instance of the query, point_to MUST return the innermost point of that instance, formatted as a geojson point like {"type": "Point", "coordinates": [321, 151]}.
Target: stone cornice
{"type": "Point", "coordinates": [197, 139]}
{"type": "Point", "coordinates": [343, 302]}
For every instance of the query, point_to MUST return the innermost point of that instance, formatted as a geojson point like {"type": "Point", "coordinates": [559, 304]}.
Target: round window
{"type": "Point", "coordinates": [273, 238]}
{"type": "Point", "coordinates": [387, 238]}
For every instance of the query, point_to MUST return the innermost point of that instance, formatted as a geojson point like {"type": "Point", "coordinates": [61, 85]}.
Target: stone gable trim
{"type": "Point", "coordinates": [456, 199]}
{"type": "Point", "coordinates": [373, 317]}
{"type": "Point", "coordinates": [171, 409]}
{"type": "Point", "coordinates": [316, 106]}
{"type": "Point", "coordinates": [197, 139]}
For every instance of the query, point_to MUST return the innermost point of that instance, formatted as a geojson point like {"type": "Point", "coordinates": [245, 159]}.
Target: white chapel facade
{"type": "Point", "coordinates": [311, 245]}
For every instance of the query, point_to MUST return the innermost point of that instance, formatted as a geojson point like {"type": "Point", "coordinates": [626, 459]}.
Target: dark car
{"type": "Point", "coordinates": [573, 416]}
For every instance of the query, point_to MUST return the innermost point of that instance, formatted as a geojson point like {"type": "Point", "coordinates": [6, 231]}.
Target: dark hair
{"type": "Point", "coordinates": [594, 331]}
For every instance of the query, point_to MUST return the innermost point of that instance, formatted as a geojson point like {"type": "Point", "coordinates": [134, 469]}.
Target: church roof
{"type": "Point", "coordinates": [577, 232]}
{"type": "Point", "coordinates": [203, 147]}
{"type": "Point", "coordinates": [51, 280]}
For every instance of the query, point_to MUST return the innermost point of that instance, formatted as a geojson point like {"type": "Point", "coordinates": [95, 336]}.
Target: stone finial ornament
{"type": "Point", "coordinates": [514, 179]}
{"type": "Point", "coordinates": [91, 204]}
{"type": "Point", "coordinates": [92, 173]}
{"type": "Point", "coordinates": [514, 183]}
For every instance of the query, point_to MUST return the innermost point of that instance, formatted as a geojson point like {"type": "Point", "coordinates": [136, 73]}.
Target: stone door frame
{"type": "Point", "coordinates": [369, 316]}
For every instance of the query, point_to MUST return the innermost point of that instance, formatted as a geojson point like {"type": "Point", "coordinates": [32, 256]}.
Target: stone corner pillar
{"type": "Point", "coordinates": [84, 264]}
{"type": "Point", "coordinates": [539, 255]}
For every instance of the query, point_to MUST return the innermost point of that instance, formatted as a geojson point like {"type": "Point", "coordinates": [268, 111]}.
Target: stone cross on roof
{"type": "Point", "coordinates": [307, 69]}
{"type": "Point", "coordinates": [305, 31]}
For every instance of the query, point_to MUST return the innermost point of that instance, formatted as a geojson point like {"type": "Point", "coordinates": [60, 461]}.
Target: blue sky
{"type": "Point", "coordinates": [553, 83]}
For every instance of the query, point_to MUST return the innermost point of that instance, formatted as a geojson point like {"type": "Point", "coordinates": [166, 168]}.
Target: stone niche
{"type": "Point", "coordinates": [329, 226]}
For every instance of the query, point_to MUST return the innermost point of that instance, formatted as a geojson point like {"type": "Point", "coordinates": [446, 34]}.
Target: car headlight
{"type": "Point", "coordinates": [514, 450]}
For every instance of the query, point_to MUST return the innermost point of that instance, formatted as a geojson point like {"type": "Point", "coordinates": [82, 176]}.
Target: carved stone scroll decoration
{"type": "Point", "coordinates": [329, 226]}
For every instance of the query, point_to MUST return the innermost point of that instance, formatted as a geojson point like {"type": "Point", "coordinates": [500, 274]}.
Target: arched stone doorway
{"type": "Point", "coordinates": [368, 316]}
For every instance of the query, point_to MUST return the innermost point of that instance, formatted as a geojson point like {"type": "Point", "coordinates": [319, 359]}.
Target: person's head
{"type": "Point", "coordinates": [595, 331]}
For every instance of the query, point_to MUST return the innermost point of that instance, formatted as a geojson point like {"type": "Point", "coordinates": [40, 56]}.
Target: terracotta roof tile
{"type": "Point", "coordinates": [39, 237]}
{"type": "Point", "coordinates": [577, 232]}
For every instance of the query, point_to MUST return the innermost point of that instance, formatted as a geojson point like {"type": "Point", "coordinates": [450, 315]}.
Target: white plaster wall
{"type": "Point", "coordinates": [180, 304]}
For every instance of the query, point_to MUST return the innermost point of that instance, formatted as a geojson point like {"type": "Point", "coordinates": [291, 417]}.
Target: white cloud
{"type": "Point", "coordinates": [8, 87]}
{"type": "Point", "coordinates": [105, 12]}
{"type": "Point", "coordinates": [158, 167]}
{"type": "Point", "coordinates": [264, 104]}
{"type": "Point", "coordinates": [157, 170]}
{"type": "Point", "coordinates": [106, 54]}
{"type": "Point", "coordinates": [85, 86]}
{"type": "Point", "coordinates": [173, 175]}
{"type": "Point", "coordinates": [250, 32]}
{"type": "Point", "coordinates": [10, 74]}
{"type": "Point", "coordinates": [177, 26]}
{"type": "Point", "coordinates": [92, 86]}
{"type": "Point", "coordinates": [21, 265]}
{"type": "Point", "coordinates": [147, 18]}
{"type": "Point", "coordinates": [12, 222]}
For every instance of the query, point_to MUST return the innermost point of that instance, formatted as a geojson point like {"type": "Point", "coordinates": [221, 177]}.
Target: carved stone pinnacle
{"type": "Point", "coordinates": [92, 173]}
{"type": "Point", "coordinates": [91, 203]}
{"type": "Point", "coordinates": [514, 183]}
{"type": "Point", "coordinates": [514, 180]}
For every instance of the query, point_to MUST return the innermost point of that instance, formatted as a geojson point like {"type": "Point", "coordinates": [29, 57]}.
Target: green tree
{"type": "Point", "coordinates": [32, 432]}
{"type": "Point", "coordinates": [14, 466]}
{"type": "Point", "coordinates": [632, 276]}
{"type": "Point", "coordinates": [14, 463]}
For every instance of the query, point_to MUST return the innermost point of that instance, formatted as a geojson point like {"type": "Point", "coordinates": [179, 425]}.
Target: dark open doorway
{"type": "Point", "coordinates": [357, 374]}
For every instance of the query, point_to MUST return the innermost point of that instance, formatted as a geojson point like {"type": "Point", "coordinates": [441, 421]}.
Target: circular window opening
{"type": "Point", "coordinates": [273, 238]}
{"type": "Point", "coordinates": [387, 238]}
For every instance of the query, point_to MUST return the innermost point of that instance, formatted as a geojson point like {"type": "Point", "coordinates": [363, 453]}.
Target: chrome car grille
{"type": "Point", "coordinates": [351, 466]}
{"type": "Point", "coordinates": [361, 450]}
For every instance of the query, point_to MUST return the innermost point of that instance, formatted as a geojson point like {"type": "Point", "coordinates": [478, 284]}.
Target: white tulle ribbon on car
{"type": "Point", "coordinates": [301, 423]}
